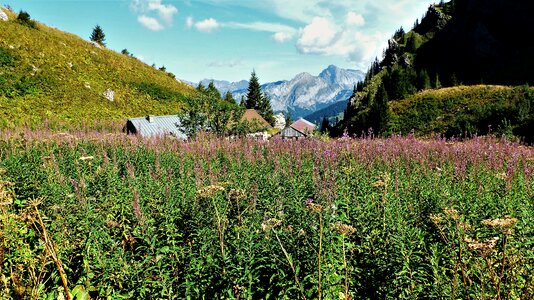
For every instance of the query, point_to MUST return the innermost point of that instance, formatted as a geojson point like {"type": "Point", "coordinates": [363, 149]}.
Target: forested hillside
{"type": "Point", "coordinates": [458, 43]}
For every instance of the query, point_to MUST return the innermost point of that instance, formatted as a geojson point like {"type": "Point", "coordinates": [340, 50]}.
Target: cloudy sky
{"type": "Point", "coordinates": [227, 39]}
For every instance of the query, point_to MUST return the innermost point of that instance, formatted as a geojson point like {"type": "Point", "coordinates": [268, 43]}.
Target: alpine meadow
{"type": "Point", "coordinates": [121, 180]}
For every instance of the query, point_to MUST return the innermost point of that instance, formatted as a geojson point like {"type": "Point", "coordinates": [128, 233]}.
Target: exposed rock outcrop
{"type": "Point", "coordinates": [109, 94]}
{"type": "Point", "coordinates": [3, 16]}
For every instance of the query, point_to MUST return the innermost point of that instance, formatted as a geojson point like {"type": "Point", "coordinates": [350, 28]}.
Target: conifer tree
{"type": "Point", "coordinates": [325, 125]}
{"type": "Point", "coordinates": [212, 91]}
{"type": "Point", "coordinates": [288, 119]}
{"type": "Point", "coordinates": [228, 97]}
{"type": "Point", "coordinates": [437, 82]}
{"type": "Point", "coordinates": [254, 94]}
{"type": "Point", "coordinates": [454, 80]}
{"type": "Point", "coordinates": [423, 80]}
{"type": "Point", "coordinates": [201, 88]}
{"type": "Point", "coordinates": [265, 109]}
{"type": "Point", "coordinates": [379, 113]}
{"type": "Point", "coordinates": [98, 35]}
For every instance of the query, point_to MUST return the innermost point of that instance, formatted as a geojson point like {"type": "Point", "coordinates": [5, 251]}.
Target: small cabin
{"type": "Point", "coordinates": [299, 129]}
{"type": "Point", "coordinates": [155, 126]}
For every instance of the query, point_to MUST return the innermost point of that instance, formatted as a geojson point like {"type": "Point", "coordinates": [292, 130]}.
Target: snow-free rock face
{"type": "Point", "coordinates": [226, 86]}
{"type": "Point", "coordinates": [280, 121]}
{"type": "Point", "coordinates": [305, 93]}
{"type": "Point", "coordinates": [302, 95]}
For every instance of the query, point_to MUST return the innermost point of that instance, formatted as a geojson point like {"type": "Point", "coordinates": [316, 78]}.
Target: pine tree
{"type": "Point", "coordinates": [288, 119]}
{"type": "Point", "coordinates": [201, 88]}
{"type": "Point", "coordinates": [379, 113]}
{"type": "Point", "coordinates": [265, 109]}
{"type": "Point", "coordinates": [212, 92]}
{"type": "Point", "coordinates": [325, 125]}
{"type": "Point", "coordinates": [228, 97]}
{"type": "Point", "coordinates": [254, 92]}
{"type": "Point", "coordinates": [454, 80]}
{"type": "Point", "coordinates": [98, 35]}
{"type": "Point", "coordinates": [423, 80]}
{"type": "Point", "coordinates": [437, 82]}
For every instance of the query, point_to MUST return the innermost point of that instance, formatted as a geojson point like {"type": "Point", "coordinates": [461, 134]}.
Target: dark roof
{"type": "Point", "coordinates": [303, 126]}
{"type": "Point", "coordinates": [290, 132]}
{"type": "Point", "coordinates": [158, 126]}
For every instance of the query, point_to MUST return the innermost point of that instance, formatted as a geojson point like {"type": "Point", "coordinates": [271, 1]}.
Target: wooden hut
{"type": "Point", "coordinates": [155, 126]}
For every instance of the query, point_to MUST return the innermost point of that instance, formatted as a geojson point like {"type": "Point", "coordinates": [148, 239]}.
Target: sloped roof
{"type": "Point", "coordinates": [303, 126]}
{"type": "Point", "coordinates": [290, 132]}
{"type": "Point", "coordinates": [251, 114]}
{"type": "Point", "coordinates": [158, 126]}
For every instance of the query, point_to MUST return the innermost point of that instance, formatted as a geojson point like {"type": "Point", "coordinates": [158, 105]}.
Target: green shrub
{"type": "Point", "coordinates": [25, 19]}
{"type": "Point", "coordinates": [6, 58]}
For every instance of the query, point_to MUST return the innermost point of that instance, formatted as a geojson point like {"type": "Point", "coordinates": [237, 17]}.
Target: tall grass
{"type": "Point", "coordinates": [243, 219]}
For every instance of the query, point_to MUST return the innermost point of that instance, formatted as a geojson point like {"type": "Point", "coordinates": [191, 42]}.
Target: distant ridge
{"type": "Point", "coordinates": [302, 95]}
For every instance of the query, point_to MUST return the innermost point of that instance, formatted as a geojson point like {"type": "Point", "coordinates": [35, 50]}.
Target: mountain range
{"type": "Point", "coordinates": [302, 95]}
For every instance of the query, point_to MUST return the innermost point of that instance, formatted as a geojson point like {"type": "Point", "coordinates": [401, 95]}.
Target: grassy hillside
{"type": "Point", "coordinates": [47, 74]}
{"type": "Point", "coordinates": [465, 109]}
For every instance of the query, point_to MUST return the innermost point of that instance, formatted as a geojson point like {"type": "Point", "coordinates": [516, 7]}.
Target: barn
{"type": "Point", "coordinates": [299, 129]}
{"type": "Point", "coordinates": [155, 126]}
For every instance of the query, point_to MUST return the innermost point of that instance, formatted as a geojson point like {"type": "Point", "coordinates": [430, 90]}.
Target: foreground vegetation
{"type": "Point", "coordinates": [111, 216]}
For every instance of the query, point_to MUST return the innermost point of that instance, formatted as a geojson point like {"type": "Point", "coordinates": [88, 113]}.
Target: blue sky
{"type": "Point", "coordinates": [227, 39]}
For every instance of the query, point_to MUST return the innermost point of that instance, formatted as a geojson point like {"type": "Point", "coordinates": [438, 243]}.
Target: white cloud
{"type": "Point", "coordinates": [207, 25]}
{"type": "Point", "coordinates": [322, 36]}
{"type": "Point", "coordinates": [150, 23]}
{"type": "Point", "coordinates": [355, 19]}
{"type": "Point", "coordinates": [281, 32]}
{"type": "Point", "coordinates": [356, 30]}
{"type": "Point", "coordinates": [189, 22]}
{"type": "Point", "coordinates": [153, 14]}
{"type": "Point", "coordinates": [225, 64]}
{"type": "Point", "coordinates": [165, 12]}
{"type": "Point", "coordinates": [317, 36]}
{"type": "Point", "coordinates": [281, 37]}
{"type": "Point", "coordinates": [262, 26]}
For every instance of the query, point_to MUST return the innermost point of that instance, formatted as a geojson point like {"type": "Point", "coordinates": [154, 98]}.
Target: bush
{"type": "Point", "coordinates": [25, 19]}
{"type": "Point", "coordinates": [6, 59]}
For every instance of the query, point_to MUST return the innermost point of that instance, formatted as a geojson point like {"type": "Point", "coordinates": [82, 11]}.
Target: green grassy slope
{"type": "Point", "coordinates": [47, 74]}
{"type": "Point", "coordinates": [465, 109]}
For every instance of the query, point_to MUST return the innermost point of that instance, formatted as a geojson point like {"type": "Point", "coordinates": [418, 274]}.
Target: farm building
{"type": "Point", "coordinates": [252, 116]}
{"type": "Point", "coordinates": [155, 126]}
{"type": "Point", "coordinates": [299, 129]}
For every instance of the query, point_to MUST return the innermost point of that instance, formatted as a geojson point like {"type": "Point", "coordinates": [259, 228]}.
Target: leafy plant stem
{"type": "Point", "coordinates": [319, 255]}
{"type": "Point", "coordinates": [290, 264]}
{"type": "Point", "coordinates": [52, 250]}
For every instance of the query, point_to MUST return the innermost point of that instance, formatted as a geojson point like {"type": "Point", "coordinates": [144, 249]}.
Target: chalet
{"type": "Point", "coordinates": [257, 124]}
{"type": "Point", "coordinates": [299, 129]}
{"type": "Point", "coordinates": [155, 126]}
{"type": "Point", "coordinates": [253, 117]}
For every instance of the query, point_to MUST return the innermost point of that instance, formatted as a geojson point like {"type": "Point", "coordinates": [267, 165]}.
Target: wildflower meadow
{"type": "Point", "coordinates": [105, 216]}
